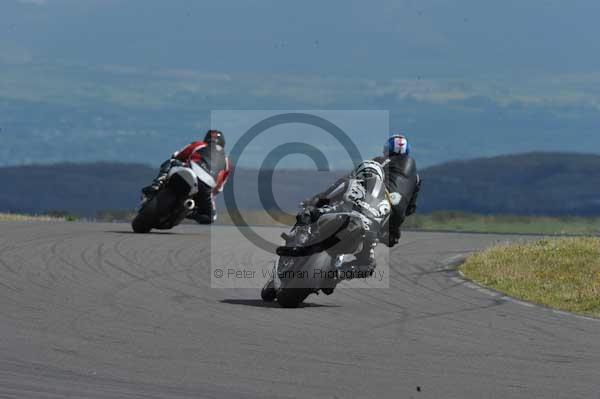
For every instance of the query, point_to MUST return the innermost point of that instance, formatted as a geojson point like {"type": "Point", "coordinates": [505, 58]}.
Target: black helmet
{"type": "Point", "coordinates": [215, 137]}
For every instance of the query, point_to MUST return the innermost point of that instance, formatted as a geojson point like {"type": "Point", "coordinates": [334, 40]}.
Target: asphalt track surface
{"type": "Point", "coordinates": [92, 311]}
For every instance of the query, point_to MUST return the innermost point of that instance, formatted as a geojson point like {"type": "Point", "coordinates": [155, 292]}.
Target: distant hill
{"type": "Point", "coordinates": [87, 189]}
{"type": "Point", "coordinates": [524, 184]}
{"type": "Point", "coordinates": [82, 189]}
{"type": "Point", "coordinates": [531, 184]}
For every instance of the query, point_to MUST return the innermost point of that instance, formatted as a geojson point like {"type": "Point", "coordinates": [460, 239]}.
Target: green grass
{"type": "Point", "coordinates": [260, 218]}
{"type": "Point", "coordinates": [457, 221]}
{"type": "Point", "coordinates": [13, 217]}
{"type": "Point", "coordinates": [54, 216]}
{"type": "Point", "coordinates": [559, 273]}
{"type": "Point", "coordinates": [451, 221]}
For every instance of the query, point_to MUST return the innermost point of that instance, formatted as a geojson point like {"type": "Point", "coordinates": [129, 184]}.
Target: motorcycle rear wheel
{"type": "Point", "coordinates": [141, 224]}
{"type": "Point", "coordinates": [149, 216]}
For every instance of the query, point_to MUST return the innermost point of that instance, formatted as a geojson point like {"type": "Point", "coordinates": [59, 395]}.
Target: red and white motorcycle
{"type": "Point", "coordinates": [174, 201]}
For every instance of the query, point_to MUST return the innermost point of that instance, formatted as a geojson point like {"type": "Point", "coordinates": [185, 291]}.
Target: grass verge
{"type": "Point", "coordinates": [448, 221]}
{"type": "Point", "coordinates": [14, 217]}
{"type": "Point", "coordinates": [459, 221]}
{"type": "Point", "coordinates": [559, 273]}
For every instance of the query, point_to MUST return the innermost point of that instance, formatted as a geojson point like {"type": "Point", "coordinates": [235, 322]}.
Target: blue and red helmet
{"type": "Point", "coordinates": [396, 145]}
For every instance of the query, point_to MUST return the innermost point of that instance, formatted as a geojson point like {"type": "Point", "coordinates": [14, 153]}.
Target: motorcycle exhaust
{"type": "Point", "coordinates": [189, 204]}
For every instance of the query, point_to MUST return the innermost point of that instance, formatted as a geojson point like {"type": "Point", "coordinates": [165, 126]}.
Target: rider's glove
{"type": "Point", "coordinates": [308, 216]}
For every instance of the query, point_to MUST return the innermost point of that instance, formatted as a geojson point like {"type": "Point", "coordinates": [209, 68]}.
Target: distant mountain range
{"type": "Point", "coordinates": [53, 113]}
{"type": "Point", "coordinates": [524, 184]}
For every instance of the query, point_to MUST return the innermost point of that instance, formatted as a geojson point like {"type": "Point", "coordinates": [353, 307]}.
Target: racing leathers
{"type": "Point", "coordinates": [403, 184]}
{"type": "Point", "coordinates": [215, 169]}
{"type": "Point", "coordinates": [346, 195]}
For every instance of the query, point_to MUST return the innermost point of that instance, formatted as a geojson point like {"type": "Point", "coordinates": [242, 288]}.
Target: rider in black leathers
{"type": "Point", "coordinates": [402, 181]}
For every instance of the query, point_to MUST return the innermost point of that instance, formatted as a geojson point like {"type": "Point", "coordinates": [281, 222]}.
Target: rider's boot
{"type": "Point", "coordinates": [296, 241]}
{"type": "Point", "coordinates": [202, 217]}
{"type": "Point", "coordinates": [205, 211]}
{"type": "Point", "coordinates": [362, 266]}
{"type": "Point", "coordinates": [159, 180]}
{"type": "Point", "coordinates": [151, 190]}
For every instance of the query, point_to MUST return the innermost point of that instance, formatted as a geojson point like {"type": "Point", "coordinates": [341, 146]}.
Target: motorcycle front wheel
{"type": "Point", "coordinates": [268, 293]}
{"type": "Point", "coordinates": [292, 297]}
{"type": "Point", "coordinates": [307, 276]}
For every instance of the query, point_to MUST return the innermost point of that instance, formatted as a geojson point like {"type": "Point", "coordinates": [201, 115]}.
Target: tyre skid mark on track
{"type": "Point", "coordinates": [489, 292]}
{"type": "Point", "coordinates": [426, 327]}
{"type": "Point", "coordinates": [441, 296]}
{"type": "Point", "coordinates": [458, 277]}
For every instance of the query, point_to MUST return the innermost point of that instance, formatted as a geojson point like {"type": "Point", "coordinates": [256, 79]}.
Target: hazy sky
{"type": "Point", "coordinates": [465, 78]}
{"type": "Point", "coordinates": [352, 37]}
